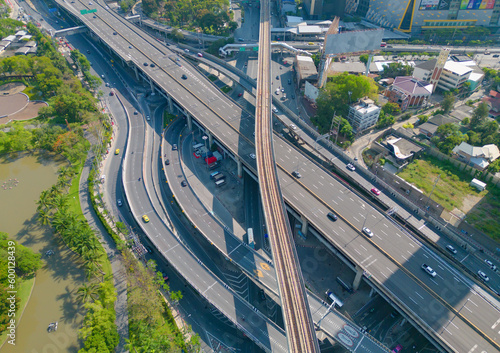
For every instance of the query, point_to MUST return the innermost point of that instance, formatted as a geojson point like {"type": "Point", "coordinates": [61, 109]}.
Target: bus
{"type": "Point", "coordinates": [251, 241]}
{"type": "Point", "coordinates": [220, 182]}
{"type": "Point", "coordinates": [333, 298]}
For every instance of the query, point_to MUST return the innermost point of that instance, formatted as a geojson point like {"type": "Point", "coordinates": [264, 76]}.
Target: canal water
{"type": "Point", "coordinates": [22, 178]}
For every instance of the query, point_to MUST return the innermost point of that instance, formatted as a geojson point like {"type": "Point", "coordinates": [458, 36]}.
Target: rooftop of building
{"type": "Point", "coordinates": [412, 85]}
{"type": "Point", "coordinates": [427, 65]}
{"type": "Point", "coordinates": [402, 147]}
{"type": "Point", "coordinates": [457, 68]}
{"type": "Point", "coordinates": [365, 106]}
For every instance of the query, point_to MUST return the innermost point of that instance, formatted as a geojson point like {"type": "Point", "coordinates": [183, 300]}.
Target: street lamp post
{"type": "Point", "coordinates": [205, 138]}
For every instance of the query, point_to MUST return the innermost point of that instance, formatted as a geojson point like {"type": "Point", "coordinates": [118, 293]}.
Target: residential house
{"type": "Point", "coordinates": [493, 101]}
{"type": "Point", "coordinates": [477, 157]}
{"type": "Point", "coordinates": [430, 127]}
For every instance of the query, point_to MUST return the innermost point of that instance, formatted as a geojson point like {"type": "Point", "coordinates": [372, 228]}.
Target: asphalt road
{"type": "Point", "coordinates": [202, 89]}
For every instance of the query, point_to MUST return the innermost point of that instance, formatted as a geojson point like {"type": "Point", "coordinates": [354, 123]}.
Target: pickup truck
{"type": "Point", "coordinates": [429, 270]}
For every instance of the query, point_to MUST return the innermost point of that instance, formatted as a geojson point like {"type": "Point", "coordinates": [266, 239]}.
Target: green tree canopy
{"type": "Point", "coordinates": [334, 97]}
{"type": "Point", "coordinates": [447, 103]}
{"type": "Point", "coordinates": [479, 115]}
{"type": "Point", "coordinates": [396, 69]}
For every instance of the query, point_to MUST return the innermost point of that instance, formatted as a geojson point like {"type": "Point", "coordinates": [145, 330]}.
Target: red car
{"type": "Point", "coordinates": [240, 94]}
{"type": "Point", "coordinates": [376, 191]}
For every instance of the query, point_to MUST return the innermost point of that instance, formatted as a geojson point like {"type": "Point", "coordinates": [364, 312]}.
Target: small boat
{"type": "Point", "coordinates": [52, 327]}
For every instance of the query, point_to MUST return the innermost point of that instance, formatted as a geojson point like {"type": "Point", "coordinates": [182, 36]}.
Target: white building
{"type": "Point", "coordinates": [363, 114]}
{"type": "Point", "coordinates": [454, 74]}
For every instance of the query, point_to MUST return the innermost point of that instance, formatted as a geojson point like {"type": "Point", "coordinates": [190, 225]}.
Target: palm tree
{"type": "Point", "coordinates": [44, 217]}
{"type": "Point", "coordinates": [87, 293]}
{"type": "Point", "coordinates": [44, 200]}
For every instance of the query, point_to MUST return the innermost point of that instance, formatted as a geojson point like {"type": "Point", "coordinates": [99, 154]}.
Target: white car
{"type": "Point", "coordinates": [351, 167]}
{"type": "Point", "coordinates": [368, 232]}
{"type": "Point", "coordinates": [293, 126]}
{"type": "Point", "coordinates": [252, 155]}
{"type": "Point", "coordinates": [429, 270]}
{"type": "Point", "coordinates": [483, 276]}
{"type": "Point", "coordinates": [492, 266]}
{"type": "Point", "coordinates": [275, 110]}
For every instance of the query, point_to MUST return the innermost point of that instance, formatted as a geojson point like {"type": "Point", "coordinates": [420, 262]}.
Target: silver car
{"type": "Point", "coordinates": [368, 232]}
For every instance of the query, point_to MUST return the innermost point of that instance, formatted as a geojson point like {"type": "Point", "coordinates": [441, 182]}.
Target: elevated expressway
{"type": "Point", "coordinates": [459, 316]}
{"type": "Point", "coordinates": [257, 266]}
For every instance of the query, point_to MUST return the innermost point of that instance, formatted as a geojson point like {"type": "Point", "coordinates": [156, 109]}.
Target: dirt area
{"type": "Point", "coordinates": [16, 106]}
{"type": "Point", "coordinates": [30, 112]}
{"type": "Point", "coordinates": [469, 203]}
{"type": "Point", "coordinates": [12, 88]}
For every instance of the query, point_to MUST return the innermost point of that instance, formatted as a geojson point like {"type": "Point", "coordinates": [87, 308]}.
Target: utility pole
{"type": "Point", "coordinates": [433, 187]}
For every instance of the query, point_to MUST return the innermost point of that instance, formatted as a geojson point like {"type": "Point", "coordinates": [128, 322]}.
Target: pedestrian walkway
{"type": "Point", "coordinates": [119, 274]}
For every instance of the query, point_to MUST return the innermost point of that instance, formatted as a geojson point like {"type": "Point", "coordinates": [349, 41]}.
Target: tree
{"type": "Point", "coordinates": [87, 293]}
{"type": "Point", "coordinates": [447, 103]}
{"type": "Point", "coordinates": [363, 58]}
{"type": "Point", "coordinates": [385, 120]}
{"type": "Point", "coordinates": [479, 115]}
{"type": "Point", "coordinates": [340, 91]}
{"type": "Point", "coordinates": [391, 108]}
{"type": "Point", "coordinates": [396, 69]}
{"type": "Point", "coordinates": [423, 119]}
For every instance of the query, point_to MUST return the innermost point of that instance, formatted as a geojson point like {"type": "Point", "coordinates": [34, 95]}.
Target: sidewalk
{"type": "Point", "coordinates": [119, 274]}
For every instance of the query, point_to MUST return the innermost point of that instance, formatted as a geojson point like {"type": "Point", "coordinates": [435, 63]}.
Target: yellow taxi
{"type": "Point", "coordinates": [117, 151]}
{"type": "Point", "coordinates": [145, 219]}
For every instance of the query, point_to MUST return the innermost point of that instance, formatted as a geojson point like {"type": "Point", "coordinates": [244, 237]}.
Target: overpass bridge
{"type": "Point", "coordinates": [200, 100]}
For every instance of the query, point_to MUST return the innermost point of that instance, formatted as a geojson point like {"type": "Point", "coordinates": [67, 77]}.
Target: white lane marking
{"type": "Point", "coordinates": [335, 202]}
{"type": "Point", "coordinates": [362, 247]}
{"type": "Point", "coordinates": [340, 198]}
{"type": "Point", "coordinates": [422, 226]}
{"type": "Point", "coordinates": [434, 282]}
{"type": "Point", "coordinates": [419, 295]}
{"type": "Point", "coordinates": [357, 251]}
{"type": "Point", "coordinates": [357, 220]}
{"type": "Point", "coordinates": [411, 245]}
{"type": "Point", "coordinates": [385, 225]}
{"type": "Point", "coordinates": [495, 324]}
{"type": "Point", "coordinates": [388, 269]}
{"type": "Point", "coordinates": [413, 300]}
{"type": "Point", "coordinates": [470, 301]}
{"type": "Point", "coordinates": [321, 211]}
{"type": "Point", "coordinates": [342, 229]}
{"type": "Point", "coordinates": [366, 259]}
{"type": "Point", "coordinates": [383, 232]}
{"type": "Point", "coordinates": [383, 274]}
{"type": "Point", "coordinates": [371, 263]}
{"type": "Point", "coordinates": [404, 257]}
{"type": "Point", "coordinates": [399, 235]}
{"type": "Point", "coordinates": [473, 348]}
{"type": "Point", "coordinates": [426, 256]}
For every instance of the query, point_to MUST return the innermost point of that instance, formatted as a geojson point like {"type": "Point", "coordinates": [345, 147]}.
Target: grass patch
{"type": "Point", "coordinates": [226, 89]}
{"type": "Point", "coordinates": [212, 78]}
{"type": "Point", "coordinates": [452, 189]}
{"type": "Point", "coordinates": [23, 293]}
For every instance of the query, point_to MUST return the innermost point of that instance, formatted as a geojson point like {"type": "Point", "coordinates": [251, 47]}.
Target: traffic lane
{"type": "Point", "coordinates": [353, 210]}
{"type": "Point", "coordinates": [164, 241]}
{"type": "Point", "coordinates": [211, 228]}
{"type": "Point", "coordinates": [363, 253]}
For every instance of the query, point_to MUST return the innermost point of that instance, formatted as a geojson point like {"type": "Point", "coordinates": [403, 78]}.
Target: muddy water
{"type": "Point", "coordinates": [22, 178]}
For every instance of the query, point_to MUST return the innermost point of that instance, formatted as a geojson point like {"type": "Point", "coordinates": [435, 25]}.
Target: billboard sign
{"type": "Point", "coordinates": [477, 4]}
{"type": "Point", "coordinates": [353, 41]}
{"type": "Point", "coordinates": [434, 5]}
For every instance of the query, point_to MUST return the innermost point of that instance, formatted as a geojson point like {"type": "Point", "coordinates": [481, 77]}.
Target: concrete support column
{"type": "Point", "coordinates": [137, 77]}
{"type": "Point", "coordinates": [240, 168]}
{"type": "Point", "coordinates": [170, 105]}
{"type": "Point", "coordinates": [372, 292]}
{"type": "Point", "coordinates": [357, 278]}
{"type": "Point", "coordinates": [210, 139]}
{"type": "Point", "coordinates": [305, 225]}
{"type": "Point", "coordinates": [189, 121]}
{"type": "Point", "coordinates": [152, 86]}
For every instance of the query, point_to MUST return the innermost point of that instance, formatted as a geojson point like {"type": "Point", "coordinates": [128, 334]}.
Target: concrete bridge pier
{"type": "Point", "coordinates": [171, 107]}
{"type": "Point", "coordinates": [240, 168]}
{"type": "Point", "coordinates": [305, 225]}
{"type": "Point", "coordinates": [137, 77]}
{"type": "Point", "coordinates": [357, 278]}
